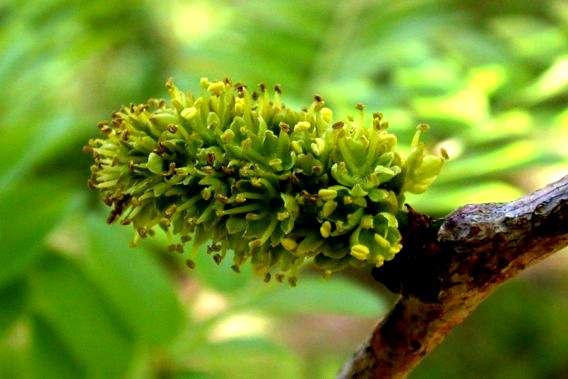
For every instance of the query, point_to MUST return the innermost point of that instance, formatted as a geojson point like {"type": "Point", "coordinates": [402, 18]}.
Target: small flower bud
{"type": "Point", "coordinates": [325, 229]}
{"type": "Point", "coordinates": [326, 114]}
{"type": "Point", "coordinates": [327, 194]}
{"type": "Point", "coordinates": [302, 126]}
{"type": "Point", "coordinates": [189, 113]}
{"type": "Point", "coordinates": [216, 88]}
{"type": "Point", "coordinates": [328, 208]}
{"type": "Point", "coordinates": [155, 163]}
{"type": "Point", "coordinates": [289, 244]}
{"type": "Point", "coordinates": [361, 252]}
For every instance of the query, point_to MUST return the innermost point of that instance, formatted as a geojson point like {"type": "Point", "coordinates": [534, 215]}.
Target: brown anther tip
{"type": "Point", "coordinates": [227, 81]}
{"type": "Point", "coordinates": [104, 127]}
{"type": "Point", "coordinates": [190, 264]}
{"type": "Point", "coordinates": [423, 127]}
{"type": "Point", "coordinates": [262, 87]}
{"type": "Point", "coordinates": [235, 268]}
{"type": "Point", "coordinates": [227, 170]}
{"type": "Point", "coordinates": [309, 197]}
{"type": "Point", "coordinates": [318, 98]}
{"type": "Point", "coordinates": [338, 125]}
{"type": "Point", "coordinates": [91, 184]}
{"type": "Point", "coordinates": [254, 95]}
{"type": "Point", "coordinates": [278, 89]}
{"type": "Point", "coordinates": [359, 106]}
{"type": "Point", "coordinates": [171, 168]}
{"type": "Point", "coordinates": [292, 178]}
{"type": "Point", "coordinates": [108, 200]}
{"type": "Point", "coordinates": [210, 158]}
{"type": "Point", "coordinates": [172, 128]}
{"type": "Point", "coordinates": [444, 153]}
{"type": "Point", "coordinates": [284, 127]}
{"type": "Point", "coordinates": [267, 277]}
{"type": "Point", "coordinates": [142, 232]}
{"type": "Point", "coordinates": [217, 258]}
{"type": "Point", "coordinates": [160, 149]}
{"type": "Point", "coordinates": [214, 247]}
{"type": "Point", "coordinates": [409, 209]}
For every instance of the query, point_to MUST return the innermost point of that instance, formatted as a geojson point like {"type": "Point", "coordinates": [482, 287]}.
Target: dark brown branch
{"type": "Point", "coordinates": [447, 268]}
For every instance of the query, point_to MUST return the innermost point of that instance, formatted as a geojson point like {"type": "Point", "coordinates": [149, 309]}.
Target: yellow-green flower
{"type": "Point", "coordinates": [276, 186]}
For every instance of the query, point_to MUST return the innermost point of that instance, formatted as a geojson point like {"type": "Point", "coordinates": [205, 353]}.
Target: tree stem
{"type": "Point", "coordinates": [447, 268]}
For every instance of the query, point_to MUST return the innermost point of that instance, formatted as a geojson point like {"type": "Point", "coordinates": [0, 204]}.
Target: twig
{"type": "Point", "coordinates": [448, 268]}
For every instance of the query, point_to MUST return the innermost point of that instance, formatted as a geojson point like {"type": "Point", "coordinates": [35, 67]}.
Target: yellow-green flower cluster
{"type": "Point", "coordinates": [276, 186]}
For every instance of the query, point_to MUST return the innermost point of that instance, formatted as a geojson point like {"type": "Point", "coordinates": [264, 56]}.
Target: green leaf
{"type": "Point", "coordinates": [49, 358]}
{"type": "Point", "coordinates": [190, 374]}
{"type": "Point", "coordinates": [133, 281]}
{"type": "Point", "coordinates": [79, 315]}
{"type": "Point", "coordinates": [43, 142]}
{"type": "Point", "coordinates": [512, 156]}
{"type": "Point", "coordinates": [316, 295]}
{"type": "Point", "coordinates": [553, 82]}
{"type": "Point", "coordinates": [27, 215]}
{"type": "Point", "coordinates": [245, 358]}
{"type": "Point", "coordinates": [12, 363]}
{"type": "Point", "coordinates": [443, 200]}
{"type": "Point", "coordinates": [12, 303]}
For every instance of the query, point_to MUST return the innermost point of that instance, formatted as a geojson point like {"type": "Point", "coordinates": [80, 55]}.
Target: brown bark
{"type": "Point", "coordinates": [450, 266]}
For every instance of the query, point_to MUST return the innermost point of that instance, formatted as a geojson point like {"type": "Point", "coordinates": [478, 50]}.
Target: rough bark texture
{"type": "Point", "coordinates": [448, 267]}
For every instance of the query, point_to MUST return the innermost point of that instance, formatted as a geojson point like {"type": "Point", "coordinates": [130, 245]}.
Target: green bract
{"type": "Point", "coordinates": [277, 186]}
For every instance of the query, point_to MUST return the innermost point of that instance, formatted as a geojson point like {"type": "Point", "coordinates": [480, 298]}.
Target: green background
{"type": "Point", "coordinates": [491, 77]}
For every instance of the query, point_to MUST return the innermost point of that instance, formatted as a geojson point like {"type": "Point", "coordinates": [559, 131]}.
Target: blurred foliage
{"type": "Point", "coordinates": [490, 77]}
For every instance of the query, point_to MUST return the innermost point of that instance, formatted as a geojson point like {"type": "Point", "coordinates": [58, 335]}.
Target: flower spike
{"type": "Point", "coordinates": [276, 186]}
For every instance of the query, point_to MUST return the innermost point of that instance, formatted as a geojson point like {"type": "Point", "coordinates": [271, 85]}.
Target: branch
{"type": "Point", "coordinates": [448, 267]}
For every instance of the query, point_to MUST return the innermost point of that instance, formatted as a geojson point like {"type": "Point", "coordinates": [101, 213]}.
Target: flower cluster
{"type": "Point", "coordinates": [276, 186]}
